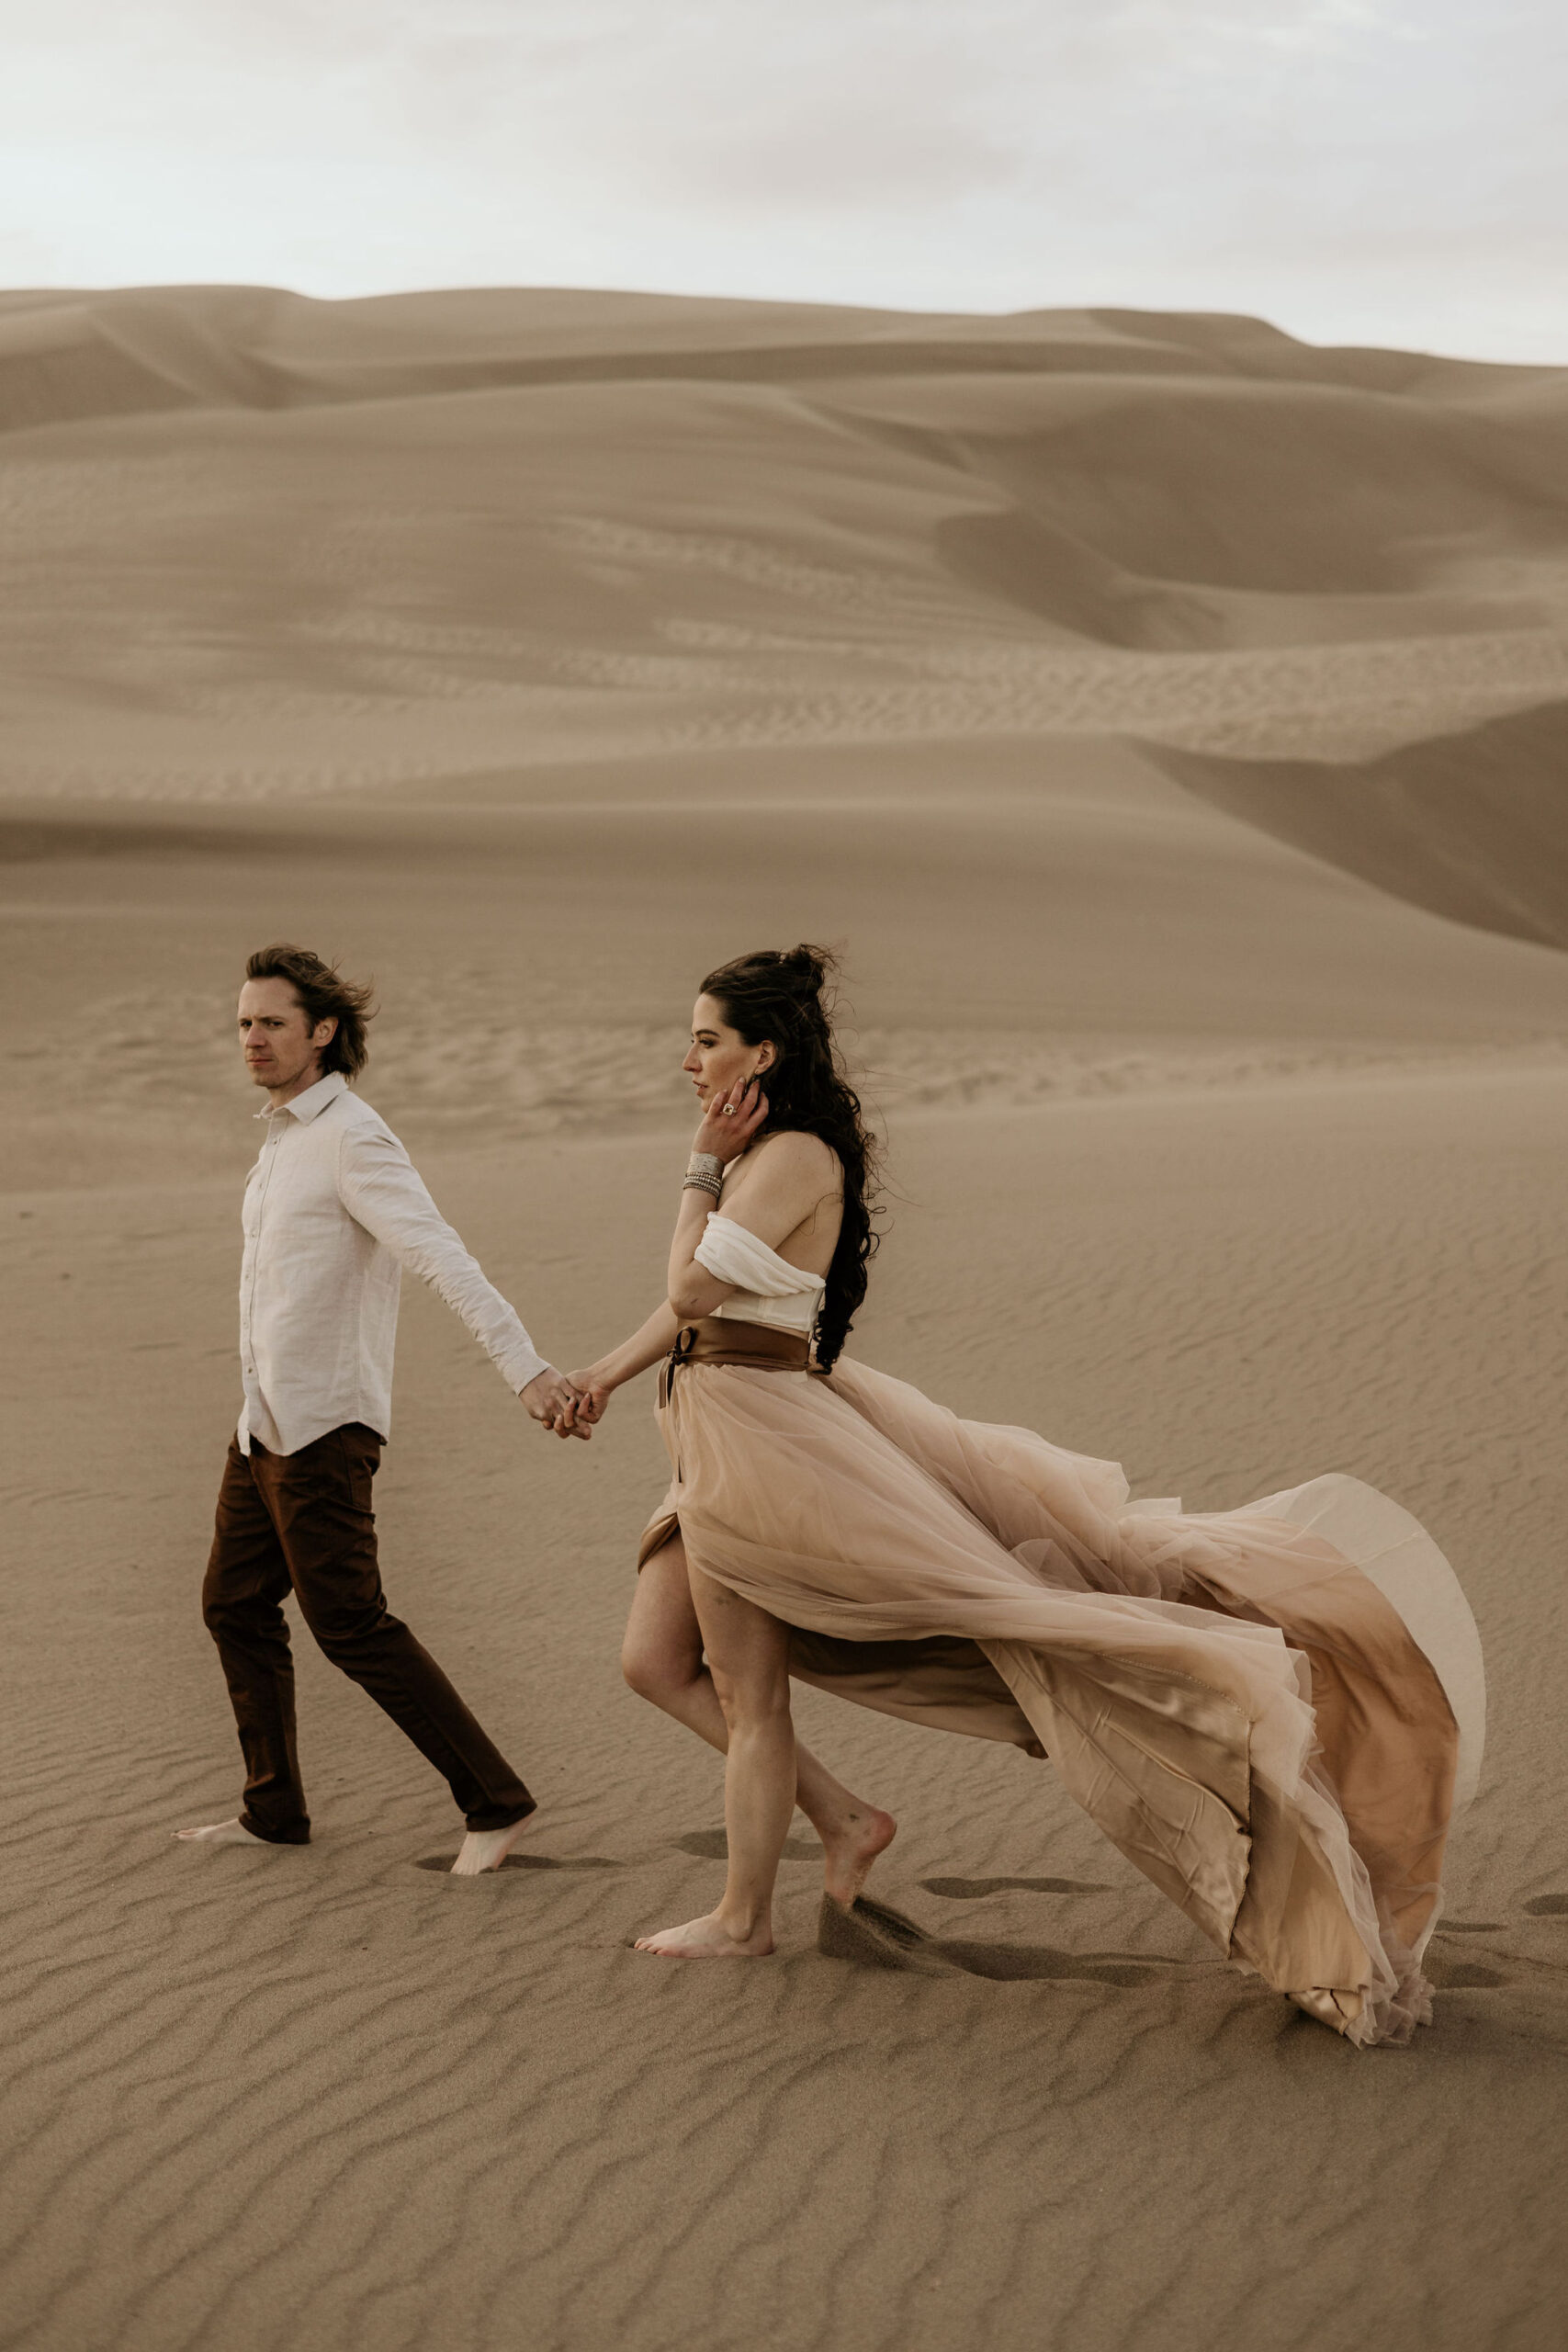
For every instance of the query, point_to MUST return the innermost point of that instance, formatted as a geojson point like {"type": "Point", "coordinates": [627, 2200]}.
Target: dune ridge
{"type": "Point", "coordinates": [65, 353]}
{"type": "Point", "coordinates": [1474, 825]}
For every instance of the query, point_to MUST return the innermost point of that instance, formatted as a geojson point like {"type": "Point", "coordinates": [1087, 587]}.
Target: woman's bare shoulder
{"type": "Point", "coordinates": [793, 1151]}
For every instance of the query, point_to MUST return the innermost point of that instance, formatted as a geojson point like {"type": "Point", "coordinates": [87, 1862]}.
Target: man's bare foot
{"type": "Point", "coordinates": [851, 1849]}
{"type": "Point", "coordinates": [708, 1939]}
{"type": "Point", "coordinates": [486, 1849]}
{"type": "Point", "coordinates": [222, 1833]}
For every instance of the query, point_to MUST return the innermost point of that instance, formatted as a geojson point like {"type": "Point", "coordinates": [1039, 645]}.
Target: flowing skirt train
{"type": "Point", "coordinates": [1274, 1712]}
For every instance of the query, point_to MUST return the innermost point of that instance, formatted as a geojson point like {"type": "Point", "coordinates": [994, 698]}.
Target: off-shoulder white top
{"type": "Point", "coordinates": [769, 1290]}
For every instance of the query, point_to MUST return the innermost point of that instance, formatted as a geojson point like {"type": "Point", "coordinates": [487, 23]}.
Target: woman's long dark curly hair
{"type": "Point", "coordinates": [782, 996]}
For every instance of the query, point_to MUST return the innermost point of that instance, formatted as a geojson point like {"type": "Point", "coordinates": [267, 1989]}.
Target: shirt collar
{"type": "Point", "coordinates": [313, 1101]}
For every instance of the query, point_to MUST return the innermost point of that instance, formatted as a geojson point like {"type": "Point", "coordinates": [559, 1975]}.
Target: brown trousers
{"type": "Point", "coordinates": [304, 1521]}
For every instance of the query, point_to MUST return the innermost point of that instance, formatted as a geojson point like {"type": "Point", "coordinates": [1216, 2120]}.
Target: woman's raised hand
{"type": "Point", "coordinates": [731, 1117]}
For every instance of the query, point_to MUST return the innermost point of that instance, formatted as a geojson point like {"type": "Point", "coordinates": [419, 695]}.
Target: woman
{"type": "Point", "coordinates": [1271, 1711]}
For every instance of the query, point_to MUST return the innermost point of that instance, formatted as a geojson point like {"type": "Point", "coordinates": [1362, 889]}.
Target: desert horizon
{"type": "Point", "coordinates": [1164, 720]}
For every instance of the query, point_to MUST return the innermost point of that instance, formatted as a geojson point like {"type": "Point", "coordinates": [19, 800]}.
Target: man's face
{"type": "Point", "coordinates": [278, 1043]}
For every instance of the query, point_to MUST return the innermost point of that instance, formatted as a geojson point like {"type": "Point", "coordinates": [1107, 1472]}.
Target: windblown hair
{"type": "Point", "coordinates": [324, 993]}
{"type": "Point", "coordinates": [781, 996]}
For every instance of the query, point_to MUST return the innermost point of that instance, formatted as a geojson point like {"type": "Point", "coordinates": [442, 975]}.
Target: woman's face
{"type": "Point", "coordinates": [720, 1058]}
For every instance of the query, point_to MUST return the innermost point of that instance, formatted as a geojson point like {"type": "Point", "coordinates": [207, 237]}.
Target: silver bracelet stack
{"type": "Point", "coordinates": [705, 1173]}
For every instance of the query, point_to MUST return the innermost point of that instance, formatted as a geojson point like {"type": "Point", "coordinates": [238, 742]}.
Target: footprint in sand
{"type": "Point", "coordinates": [1460, 1976]}
{"type": "Point", "coordinates": [527, 1863]}
{"type": "Point", "coordinates": [965, 1889]}
{"type": "Point", "coordinates": [713, 1846]}
{"type": "Point", "coordinates": [874, 1936]}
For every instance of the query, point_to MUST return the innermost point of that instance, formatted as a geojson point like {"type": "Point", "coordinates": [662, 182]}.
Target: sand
{"type": "Point", "coordinates": [1166, 717]}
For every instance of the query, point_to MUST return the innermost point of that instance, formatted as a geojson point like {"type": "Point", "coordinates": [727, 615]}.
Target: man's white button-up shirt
{"type": "Point", "coordinates": [333, 1210]}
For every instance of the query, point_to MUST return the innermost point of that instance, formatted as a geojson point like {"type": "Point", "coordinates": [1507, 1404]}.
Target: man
{"type": "Point", "coordinates": [334, 1209]}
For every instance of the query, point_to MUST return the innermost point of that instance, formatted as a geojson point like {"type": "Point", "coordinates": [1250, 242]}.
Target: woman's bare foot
{"type": "Point", "coordinates": [486, 1849]}
{"type": "Point", "coordinates": [851, 1847]}
{"type": "Point", "coordinates": [708, 1939]}
{"type": "Point", "coordinates": [222, 1833]}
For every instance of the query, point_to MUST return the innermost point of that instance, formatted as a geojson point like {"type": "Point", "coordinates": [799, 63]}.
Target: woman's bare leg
{"type": "Point", "coordinates": [748, 1653]}
{"type": "Point", "coordinates": [662, 1660]}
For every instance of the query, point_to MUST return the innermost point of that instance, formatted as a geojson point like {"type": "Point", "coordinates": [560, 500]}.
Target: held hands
{"type": "Point", "coordinates": [731, 1117]}
{"type": "Point", "coordinates": [593, 1394]}
{"type": "Point", "coordinates": [554, 1402]}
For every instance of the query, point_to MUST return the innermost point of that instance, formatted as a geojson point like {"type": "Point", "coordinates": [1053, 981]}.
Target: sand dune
{"type": "Point", "coordinates": [346, 545]}
{"type": "Point", "coordinates": [1474, 825]}
{"type": "Point", "coordinates": [1167, 718]}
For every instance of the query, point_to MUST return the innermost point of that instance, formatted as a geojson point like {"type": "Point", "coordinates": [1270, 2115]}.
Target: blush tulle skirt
{"type": "Point", "coordinates": [1274, 1712]}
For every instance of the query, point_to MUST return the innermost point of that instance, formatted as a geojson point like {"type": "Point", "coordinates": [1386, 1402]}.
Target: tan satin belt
{"type": "Point", "coordinates": [717, 1340]}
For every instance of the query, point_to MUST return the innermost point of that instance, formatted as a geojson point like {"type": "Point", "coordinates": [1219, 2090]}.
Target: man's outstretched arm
{"type": "Point", "coordinates": [382, 1190]}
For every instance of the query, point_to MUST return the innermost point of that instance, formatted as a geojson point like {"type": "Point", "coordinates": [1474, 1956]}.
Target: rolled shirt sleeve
{"type": "Point", "coordinates": [381, 1189]}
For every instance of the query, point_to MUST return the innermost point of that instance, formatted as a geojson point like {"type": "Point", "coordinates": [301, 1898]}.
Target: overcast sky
{"type": "Point", "coordinates": [1373, 171]}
